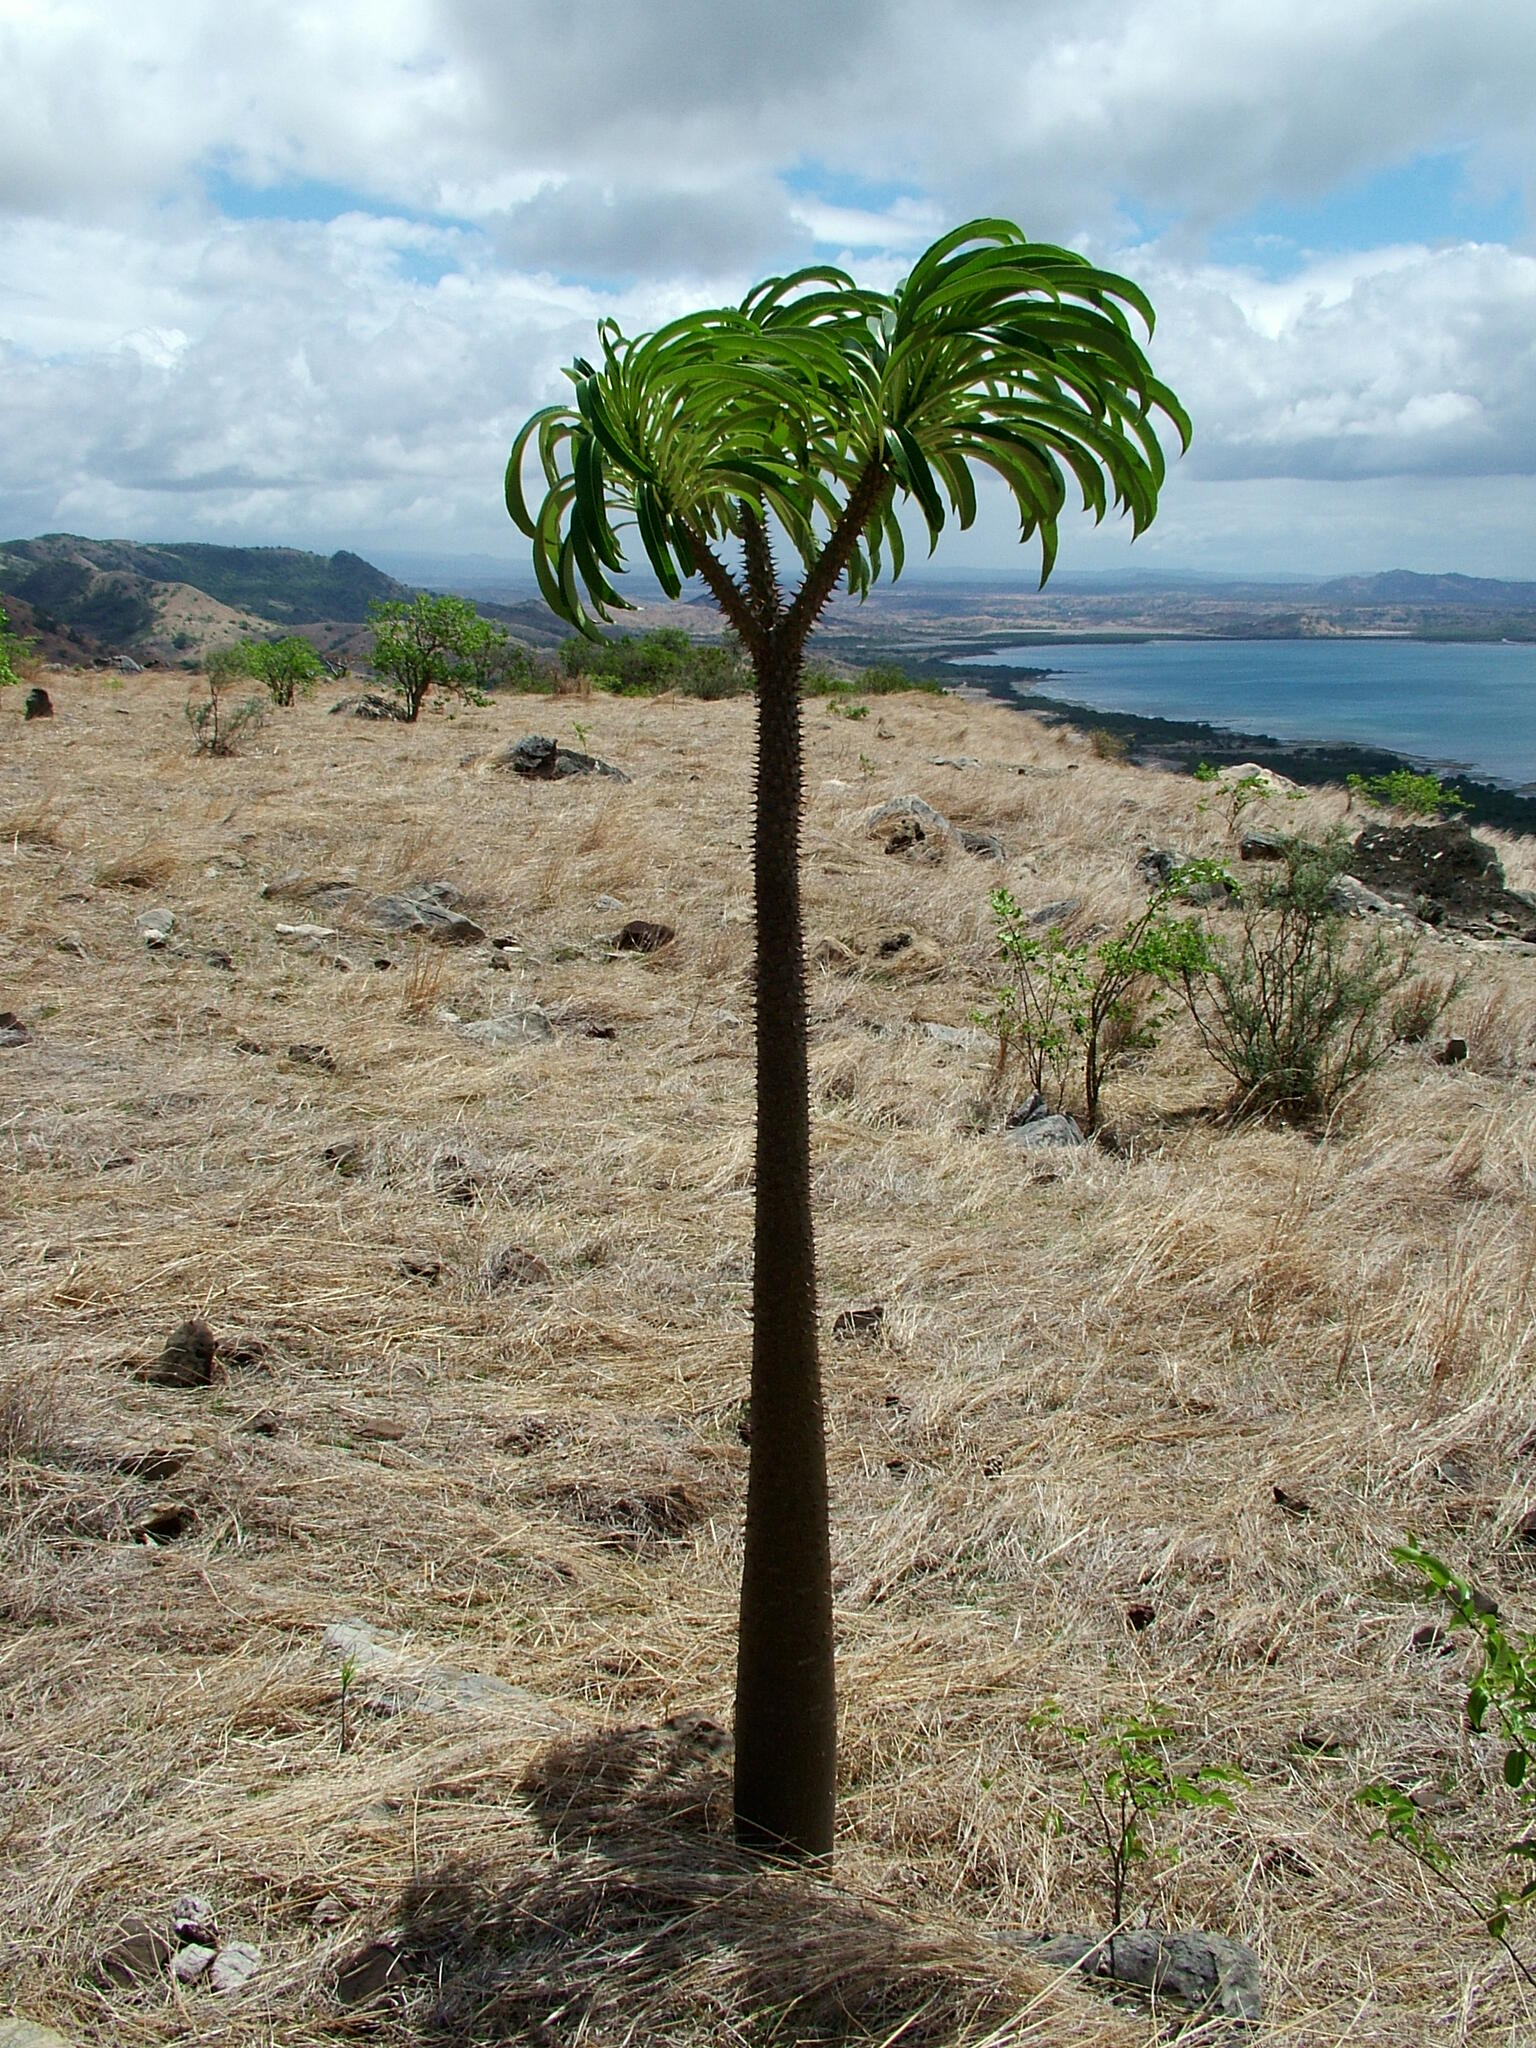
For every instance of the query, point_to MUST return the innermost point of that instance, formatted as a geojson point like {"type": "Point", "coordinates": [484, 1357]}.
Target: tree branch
{"type": "Point", "coordinates": [762, 577]}
{"type": "Point", "coordinates": [727, 592]}
{"type": "Point", "coordinates": [834, 557]}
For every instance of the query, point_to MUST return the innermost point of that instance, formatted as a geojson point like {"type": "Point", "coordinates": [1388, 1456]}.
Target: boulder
{"type": "Point", "coordinates": [542, 759]}
{"type": "Point", "coordinates": [1444, 875]}
{"type": "Point", "coordinates": [511, 1027]}
{"type": "Point", "coordinates": [38, 704]}
{"type": "Point", "coordinates": [426, 910]}
{"type": "Point", "coordinates": [1209, 1973]}
{"type": "Point", "coordinates": [1033, 1127]}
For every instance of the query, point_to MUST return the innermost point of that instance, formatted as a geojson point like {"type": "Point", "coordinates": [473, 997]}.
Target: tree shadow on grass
{"type": "Point", "coordinates": [640, 1921]}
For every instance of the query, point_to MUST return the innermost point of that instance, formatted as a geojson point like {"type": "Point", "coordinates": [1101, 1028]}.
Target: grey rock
{"type": "Point", "coordinates": [38, 704]}
{"type": "Point", "coordinates": [1032, 1126]}
{"type": "Point", "coordinates": [154, 927]}
{"type": "Point", "coordinates": [1262, 846]}
{"type": "Point", "coordinates": [391, 1680]}
{"type": "Point", "coordinates": [369, 705]}
{"type": "Point", "coordinates": [17, 2032]}
{"type": "Point", "coordinates": [192, 1920]}
{"type": "Point", "coordinates": [908, 825]}
{"type": "Point", "coordinates": [951, 1034]}
{"type": "Point", "coordinates": [1209, 1973]}
{"type": "Point", "coordinates": [542, 759]}
{"type": "Point", "coordinates": [512, 1265]}
{"type": "Point", "coordinates": [234, 1966]}
{"type": "Point", "coordinates": [304, 938]}
{"type": "Point", "coordinates": [1356, 900]}
{"type": "Point", "coordinates": [1044, 1132]}
{"type": "Point", "coordinates": [1056, 912]}
{"type": "Point", "coordinates": [191, 1962]}
{"type": "Point", "coordinates": [985, 845]}
{"type": "Point", "coordinates": [511, 1027]}
{"type": "Point", "coordinates": [12, 1030]}
{"type": "Point", "coordinates": [426, 911]}
{"type": "Point", "coordinates": [954, 761]}
{"type": "Point", "coordinates": [642, 935]}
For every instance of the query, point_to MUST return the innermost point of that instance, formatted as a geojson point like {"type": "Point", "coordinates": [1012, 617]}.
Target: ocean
{"type": "Point", "coordinates": [1449, 706]}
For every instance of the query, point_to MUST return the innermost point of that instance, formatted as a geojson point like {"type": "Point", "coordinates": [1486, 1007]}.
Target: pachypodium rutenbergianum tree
{"type": "Point", "coordinates": [807, 415]}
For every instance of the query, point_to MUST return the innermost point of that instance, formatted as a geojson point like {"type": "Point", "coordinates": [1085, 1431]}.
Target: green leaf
{"type": "Point", "coordinates": [1515, 1762]}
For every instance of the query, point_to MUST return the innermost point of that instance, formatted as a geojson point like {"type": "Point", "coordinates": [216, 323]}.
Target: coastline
{"type": "Point", "coordinates": [1181, 744]}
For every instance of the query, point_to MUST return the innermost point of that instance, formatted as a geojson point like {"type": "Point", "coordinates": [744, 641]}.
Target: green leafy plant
{"type": "Point", "coordinates": [1128, 1781]}
{"type": "Point", "coordinates": [290, 667]}
{"type": "Point", "coordinates": [667, 659]}
{"type": "Point", "coordinates": [435, 643]}
{"type": "Point", "coordinates": [1233, 794]}
{"type": "Point", "coordinates": [1069, 1000]}
{"type": "Point", "coordinates": [1404, 789]}
{"type": "Point", "coordinates": [805, 417]}
{"type": "Point", "coordinates": [1296, 1010]}
{"type": "Point", "coordinates": [218, 725]}
{"type": "Point", "coordinates": [1501, 1703]}
{"type": "Point", "coordinates": [838, 708]}
{"type": "Point", "coordinates": [15, 653]}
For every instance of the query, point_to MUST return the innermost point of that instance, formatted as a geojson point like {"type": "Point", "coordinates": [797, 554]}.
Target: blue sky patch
{"type": "Point", "coordinates": [1430, 199]}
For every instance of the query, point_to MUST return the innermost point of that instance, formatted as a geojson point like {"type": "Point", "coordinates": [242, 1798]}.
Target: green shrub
{"type": "Point", "coordinates": [1417, 796]}
{"type": "Point", "coordinates": [217, 724]}
{"type": "Point", "coordinates": [1500, 1703]}
{"type": "Point", "coordinates": [1295, 1009]}
{"type": "Point", "coordinates": [15, 653]}
{"type": "Point", "coordinates": [288, 667]}
{"type": "Point", "coordinates": [647, 664]}
{"type": "Point", "coordinates": [1066, 1000]}
{"type": "Point", "coordinates": [436, 642]}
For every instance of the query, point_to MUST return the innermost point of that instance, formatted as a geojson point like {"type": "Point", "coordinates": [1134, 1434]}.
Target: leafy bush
{"type": "Point", "coordinates": [437, 642]}
{"type": "Point", "coordinates": [1295, 1010]}
{"type": "Point", "coordinates": [288, 667]}
{"type": "Point", "coordinates": [15, 653]}
{"type": "Point", "coordinates": [885, 679]}
{"type": "Point", "coordinates": [1067, 1000]}
{"type": "Point", "coordinates": [1501, 1702]}
{"type": "Point", "coordinates": [1128, 1779]}
{"type": "Point", "coordinates": [646, 664]}
{"type": "Point", "coordinates": [1418, 796]}
{"type": "Point", "coordinates": [217, 725]}
{"type": "Point", "coordinates": [1233, 794]}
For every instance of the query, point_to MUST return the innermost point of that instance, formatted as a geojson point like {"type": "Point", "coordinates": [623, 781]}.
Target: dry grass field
{"type": "Point", "coordinates": [483, 1321]}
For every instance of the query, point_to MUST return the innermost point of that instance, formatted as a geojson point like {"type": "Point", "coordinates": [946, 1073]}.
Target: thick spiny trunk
{"type": "Point", "coordinates": [786, 1703]}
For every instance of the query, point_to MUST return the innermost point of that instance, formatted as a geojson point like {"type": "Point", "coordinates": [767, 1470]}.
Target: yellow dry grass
{"type": "Point", "coordinates": [1093, 1371]}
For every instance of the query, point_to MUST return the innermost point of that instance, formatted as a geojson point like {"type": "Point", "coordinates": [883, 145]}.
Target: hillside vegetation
{"type": "Point", "coordinates": [1136, 1425]}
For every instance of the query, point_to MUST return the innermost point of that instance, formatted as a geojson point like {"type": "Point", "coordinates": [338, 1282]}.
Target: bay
{"type": "Point", "coordinates": [1446, 705]}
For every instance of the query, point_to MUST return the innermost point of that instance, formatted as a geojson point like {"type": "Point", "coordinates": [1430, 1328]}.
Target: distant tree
{"type": "Point", "coordinates": [288, 667]}
{"type": "Point", "coordinates": [435, 642]}
{"type": "Point", "coordinates": [15, 653]}
{"type": "Point", "coordinates": [816, 407]}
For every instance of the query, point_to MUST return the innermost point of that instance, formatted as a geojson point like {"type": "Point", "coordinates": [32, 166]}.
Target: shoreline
{"type": "Point", "coordinates": [1181, 744]}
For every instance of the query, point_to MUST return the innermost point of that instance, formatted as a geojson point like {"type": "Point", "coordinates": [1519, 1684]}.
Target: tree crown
{"type": "Point", "coordinates": [824, 405]}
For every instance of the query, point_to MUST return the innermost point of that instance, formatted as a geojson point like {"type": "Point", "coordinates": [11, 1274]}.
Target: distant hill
{"type": "Point", "coordinates": [163, 601]}
{"type": "Point", "coordinates": [1407, 587]}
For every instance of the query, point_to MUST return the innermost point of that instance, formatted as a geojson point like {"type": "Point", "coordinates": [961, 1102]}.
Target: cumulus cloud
{"type": "Point", "coordinates": [468, 184]}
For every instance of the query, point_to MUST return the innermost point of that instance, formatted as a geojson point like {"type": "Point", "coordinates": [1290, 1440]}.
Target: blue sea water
{"type": "Point", "coordinates": [1449, 706]}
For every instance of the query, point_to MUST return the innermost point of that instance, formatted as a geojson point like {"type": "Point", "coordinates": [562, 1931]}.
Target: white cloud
{"type": "Point", "coordinates": [518, 169]}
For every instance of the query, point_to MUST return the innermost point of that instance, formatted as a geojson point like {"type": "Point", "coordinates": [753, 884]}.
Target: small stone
{"type": "Point", "coordinates": [164, 1523]}
{"type": "Point", "coordinates": [191, 1962]}
{"type": "Point", "coordinates": [142, 1951]}
{"type": "Point", "coordinates": [304, 1054]}
{"type": "Point", "coordinates": [1429, 1639]}
{"type": "Point", "coordinates": [1262, 846]}
{"type": "Point", "coordinates": [154, 927]}
{"type": "Point", "coordinates": [304, 938]}
{"type": "Point", "coordinates": [12, 1030]}
{"type": "Point", "coordinates": [367, 1973]}
{"type": "Point", "coordinates": [985, 845]}
{"type": "Point", "coordinates": [1033, 1128]}
{"type": "Point", "coordinates": [37, 704]}
{"type": "Point", "coordinates": [1291, 1502]}
{"type": "Point", "coordinates": [512, 1027]}
{"type": "Point", "coordinates": [75, 948]}
{"type": "Point", "coordinates": [426, 910]}
{"type": "Point", "coordinates": [346, 1157]}
{"type": "Point", "coordinates": [413, 1266]}
{"type": "Point", "coordinates": [327, 1912]}
{"type": "Point", "coordinates": [154, 1465]}
{"type": "Point", "coordinates": [1453, 1052]}
{"type": "Point", "coordinates": [234, 1966]}
{"type": "Point", "coordinates": [187, 1359]}
{"type": "Point", "coordinates": [640, 935]}
{"type": "Point", "coordinates": [1139, 1616]}
{"type": "Point", "coordinates": [21, 2033]}
{"type": "Point", "coordinates": [460, 1177]}
{"type": "Point", "coordinates": [513, 1265]}
{"type": "Point", "coordinates": [859, 1322]}
{"type": "Point", "coordinates": [219, 959]}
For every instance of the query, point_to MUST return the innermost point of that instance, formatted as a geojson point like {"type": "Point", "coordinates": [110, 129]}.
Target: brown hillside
{"type": "Point", "coordinates": [483, 1317]}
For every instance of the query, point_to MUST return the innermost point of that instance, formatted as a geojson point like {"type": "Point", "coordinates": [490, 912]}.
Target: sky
{"type": "Point", "coordinates": [295, 273]}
